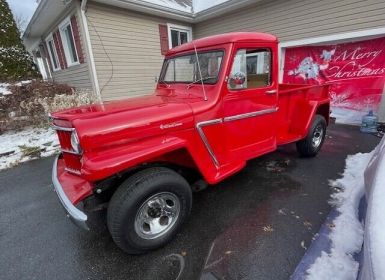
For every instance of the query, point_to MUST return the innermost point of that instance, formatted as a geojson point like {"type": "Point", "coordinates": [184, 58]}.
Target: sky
{"type": "Point", "coordinates": [23, 9]}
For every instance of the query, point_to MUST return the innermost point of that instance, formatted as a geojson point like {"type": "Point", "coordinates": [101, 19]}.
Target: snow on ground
{"type": "Point", "coordinates": [23, 83]}
{"type": "Point", "coordinates": [347, 232]}
{"type": "Point", "coordinates": [347, 116]}
{"type": "Point", "coordinates": [25, 145]}
{"type": "Point", "coordinates": [4, 89]}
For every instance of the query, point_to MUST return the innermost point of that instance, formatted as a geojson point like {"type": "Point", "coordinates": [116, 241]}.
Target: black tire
{"type": "Point", "coordinates": [307, 147]}
{"type": "Point", "coordinates": [135, 192]}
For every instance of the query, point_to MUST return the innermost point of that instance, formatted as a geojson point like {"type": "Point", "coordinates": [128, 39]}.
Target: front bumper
{"type": "Point", "coordinates": [77, 216]}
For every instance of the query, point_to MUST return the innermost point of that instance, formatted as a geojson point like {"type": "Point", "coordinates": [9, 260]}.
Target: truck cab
{"type": "Point", "coordinates": [218, 103]}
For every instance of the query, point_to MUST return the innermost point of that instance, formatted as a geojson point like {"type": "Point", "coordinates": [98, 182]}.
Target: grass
{"type": "Point", "coordinates": [31, 151]}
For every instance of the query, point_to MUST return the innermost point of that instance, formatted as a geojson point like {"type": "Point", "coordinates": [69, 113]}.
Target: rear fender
{"type": "Point", "coordinates": [316, 108]}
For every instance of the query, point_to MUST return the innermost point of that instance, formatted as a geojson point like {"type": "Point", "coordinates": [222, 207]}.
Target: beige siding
{"type": "Point", "coordinates": [78, 75]}
{"type": "Point", "coordinates": [299, 19]}
{"type": "Point", "coordinates": [126, 47]}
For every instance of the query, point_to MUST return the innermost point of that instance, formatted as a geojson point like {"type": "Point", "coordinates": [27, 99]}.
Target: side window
{"type": "Point", "coordinates": [178, 35]}
{"type": "Point", "coordinates": [69, 44]}
{"type": "Point", "coordinates": [251, 69]}
{"type": "Point", "coordinates": [53, 54]}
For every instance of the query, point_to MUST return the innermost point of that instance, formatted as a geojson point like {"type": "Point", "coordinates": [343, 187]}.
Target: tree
{"type": "Point", "coordinates": [15, 62]}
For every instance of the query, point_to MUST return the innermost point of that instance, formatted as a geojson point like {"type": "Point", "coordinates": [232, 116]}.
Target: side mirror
{"type": "Point", "coordinates": [237, 80]}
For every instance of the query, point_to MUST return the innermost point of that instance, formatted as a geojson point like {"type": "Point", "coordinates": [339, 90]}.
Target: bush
{"type": "Point", "coordinates": [16, 64]}
{"type": "Point", "coordinates": [29, 104]}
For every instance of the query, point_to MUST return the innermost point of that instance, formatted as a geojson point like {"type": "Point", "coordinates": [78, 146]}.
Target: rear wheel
{"type": "Point", "coordinates": [310, 146]}
{"type": "Point", "coordinates": [148, 209]}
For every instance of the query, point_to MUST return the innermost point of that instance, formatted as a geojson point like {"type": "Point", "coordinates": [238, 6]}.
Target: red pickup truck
{"type": "Point", "coordinates": [217, 104]}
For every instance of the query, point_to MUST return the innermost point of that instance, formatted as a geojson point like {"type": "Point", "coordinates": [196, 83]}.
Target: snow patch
{"type": "Point", "coordinates": [197, 5]}
{"type": "Point", "coordinates": [21, 83]}
{"type": "Point", "coordinates": [4, 89]}
{"type": "Point", "coordinates": [347, 116]}
{"type": "Point", "coordinates": [12, 144]}
{"type": "Point", "coordinates": [200, 5]}
{"type": "Point", "coordinates": [347, 231]}
{"type": "Point", "coordinates": [171, 4]}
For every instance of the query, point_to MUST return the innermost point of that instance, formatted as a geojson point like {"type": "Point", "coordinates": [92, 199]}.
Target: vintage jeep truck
{"type": "Point", "coordinates": [217, 104]}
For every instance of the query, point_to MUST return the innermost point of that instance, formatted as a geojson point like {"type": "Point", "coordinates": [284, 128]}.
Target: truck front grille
{"type": "Point", "coordinates": [71, 158]}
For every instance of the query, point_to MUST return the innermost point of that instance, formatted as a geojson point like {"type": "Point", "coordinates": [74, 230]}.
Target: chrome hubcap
{"type": "Point", "coordinates": [317, 136]}
{"type": "Point", "coordinates": [157, 215]}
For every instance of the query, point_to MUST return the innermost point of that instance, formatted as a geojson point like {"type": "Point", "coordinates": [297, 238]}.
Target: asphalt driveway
{"type": "Point", "coordinates": [255, 225]}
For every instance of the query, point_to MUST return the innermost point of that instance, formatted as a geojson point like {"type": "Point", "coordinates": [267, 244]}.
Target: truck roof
{"type": "Point", "coordinates": [233, 37]}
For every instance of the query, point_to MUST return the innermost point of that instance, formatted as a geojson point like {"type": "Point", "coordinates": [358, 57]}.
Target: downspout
{"type": "Point", "coordinates": [91, 60]}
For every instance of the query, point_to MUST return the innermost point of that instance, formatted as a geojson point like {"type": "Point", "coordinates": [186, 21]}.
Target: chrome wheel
{"type": "Point", "coordinates": [317, 136]}
{"type": "Point", "coordinates": [157, 215]}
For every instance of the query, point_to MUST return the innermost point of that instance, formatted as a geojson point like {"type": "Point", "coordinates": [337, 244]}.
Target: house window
{"type": "Point", "coordinates": [252, 67]}
{"type": "Point", "coordinates": [67, 36]}
{"type": "Point", "coordinates": [52, 53]}
{"type": "Point", "coordinates": [178, 35]}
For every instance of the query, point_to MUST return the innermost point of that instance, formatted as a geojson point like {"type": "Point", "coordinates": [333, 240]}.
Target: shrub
{"type": "Point", "coordinates": [29, 104]}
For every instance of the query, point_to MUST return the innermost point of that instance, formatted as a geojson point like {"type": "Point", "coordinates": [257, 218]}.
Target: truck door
{"type": "Point", "coordinates": [250, 101]}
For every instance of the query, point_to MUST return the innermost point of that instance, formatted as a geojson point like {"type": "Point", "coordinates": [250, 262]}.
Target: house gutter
{"type": "Point", "coordinates": [91, 60]}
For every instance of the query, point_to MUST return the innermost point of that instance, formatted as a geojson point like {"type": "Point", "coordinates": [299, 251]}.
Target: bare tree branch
{"type": "Point", "coordinates": [21, 22]}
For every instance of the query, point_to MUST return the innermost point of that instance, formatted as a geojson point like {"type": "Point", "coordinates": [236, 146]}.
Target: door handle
{"type": "Point", "coordinates": [271, 92]}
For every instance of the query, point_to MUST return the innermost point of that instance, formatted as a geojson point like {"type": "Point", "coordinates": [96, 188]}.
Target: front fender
{"type": "Point", "coordinates": [102, 164]}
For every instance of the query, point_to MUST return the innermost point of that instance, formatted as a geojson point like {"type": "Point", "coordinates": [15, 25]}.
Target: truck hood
{"type": "Point", "coordinates": [118, 122]}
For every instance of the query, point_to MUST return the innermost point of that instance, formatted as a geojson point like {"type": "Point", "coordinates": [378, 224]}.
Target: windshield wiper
{"type": "Point", "coordinates": [201, 80]}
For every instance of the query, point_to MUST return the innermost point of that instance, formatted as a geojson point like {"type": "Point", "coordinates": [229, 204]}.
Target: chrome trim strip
{"type": "Point", "coordinates": [73, 171]}
{"type": "Point", "coordinates": [70, 152]}
{"type": "Point", "coordinates": [250, 115]}
{"type": "Point", "coordinates": [77, 216]}
{"type": "Point", "coordinates": [199, 127]}
{"type": "Point", "coordinates": [70, 129]}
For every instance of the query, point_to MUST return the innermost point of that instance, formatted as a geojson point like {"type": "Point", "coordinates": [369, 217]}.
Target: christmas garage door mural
{"type": "Point", "coordinates": [356, 71]}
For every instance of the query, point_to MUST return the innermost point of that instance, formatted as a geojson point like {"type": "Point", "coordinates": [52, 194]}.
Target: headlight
{"type": "Point", "coordinates": [75, 142]}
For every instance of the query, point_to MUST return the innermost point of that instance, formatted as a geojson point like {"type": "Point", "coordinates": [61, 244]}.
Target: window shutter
{"type": "Point", "coordinates": [46, 54]}
{"type": "Point", "coordinates": [75, 30]}
{"type": "Point", "coordinates": [163, 33]}
{"type": "Point", "coordinates": [59, 49]}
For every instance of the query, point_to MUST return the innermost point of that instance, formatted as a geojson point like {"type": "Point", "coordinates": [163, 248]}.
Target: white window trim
{"type": "Point", "coordinates": [171, 26]}
{"type": "Point", "coordinates": [62, 25]}
{"type": "Point", "coordinates": [50, 38]}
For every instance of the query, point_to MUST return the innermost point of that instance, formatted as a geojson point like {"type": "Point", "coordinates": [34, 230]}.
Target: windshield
{"type": "Point", "coordinates": [184, 69]}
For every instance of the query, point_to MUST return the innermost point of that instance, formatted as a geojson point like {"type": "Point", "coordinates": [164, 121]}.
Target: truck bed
{"type": "Point", "coordinates": [296, 102]}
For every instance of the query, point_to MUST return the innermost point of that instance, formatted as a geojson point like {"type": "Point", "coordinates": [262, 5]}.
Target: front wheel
{"type": "Point", "coordinates": [310, 146]}
{"type": "Point", "coordinates": [148, 209]}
